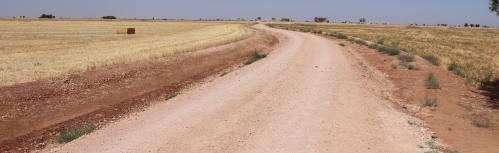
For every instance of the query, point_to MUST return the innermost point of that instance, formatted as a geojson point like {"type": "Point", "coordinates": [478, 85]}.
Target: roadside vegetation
{"type": "Point", "coordinates": [471, 52]}
{"type": "Point", "coordinates": [430, 102]}
{"type": "Point", "coordinates": [255, 57]}
{"type": "Point", "coordinates": [388, 50]}
{"type": "Point", "coordinates": [50, 49]}
{"type": "Point", "coordinates": [74, 134]}
{"type": "Point", "coordinates": [432, 59]}
{"type": "Point", "coordinates": [432, 82]}
{"type": "Point", "coordinates": [171, 95]}
{"type": "Point", "coordinates": [407, 61]}
{"type": "Point", "coordinates": [480, 121]}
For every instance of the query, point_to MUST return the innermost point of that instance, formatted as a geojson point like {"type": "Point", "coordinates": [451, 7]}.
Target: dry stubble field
{"type": "Point", "coordinates": [33, 50]}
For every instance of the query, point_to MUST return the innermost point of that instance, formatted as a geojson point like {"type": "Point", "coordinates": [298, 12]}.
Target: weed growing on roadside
{"type": "Point", "coordinates": [410, 66]}
{"type": "Point", "coordinates": [334, 34]}
{"type": "Point", "coordinates": [456, 69]}
{"type": "Point", "coordinates": [432, 82]}
{"type": "Point", "coordinates": [254, 58]}
{"type": "Point", "coordinates": [480, 121]}
{"type": "Point", "coordinates": [361, 42]}
{"type": "Point", "coordinates": [432, 59]}
{"type": "Point", "coordinates": [430, 102]}
{"type": "Point", "coordinates": [73, 134]}
{"type": "Point", "coordinates": [438, 148]}
{"type": "Point", "coordinates": [388, 50]}
{"type": "Point", "coordinates": [341, 36]}
{"type": "Point", "coordinates": [373, 46]}
{"type": "Point", "coordinates": [342, 44]}
{"type": "Point", "coordinates": [171, 95]}
{"type": "Point", "coordinates": [406, 58]}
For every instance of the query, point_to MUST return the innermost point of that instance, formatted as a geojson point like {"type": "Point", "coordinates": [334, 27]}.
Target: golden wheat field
{"type": "Point", "coordinates": [475, 50]}
{"type": "Point", "coordinates": [31, 50]}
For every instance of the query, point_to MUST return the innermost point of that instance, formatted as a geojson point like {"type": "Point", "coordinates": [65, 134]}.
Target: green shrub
{"type": "Point", "coordinates": [480, 121]}
{"type": "Point", "coordinates": [456, 69]}
{"type": "Point", "coordinates": [388, 50]}
{"type": "Point", "coordinates": [432, 82]}
{"type": "Point", "coordinates": [73, 134]}
{"type": "Point", "coordinates": [317, 32]}
{"type": "Point", "coordinates": [410, 66]}
{"type": "Point", "coordinates": [439, 149]}
{"type": "Point", "coordinates": [171, 95]}
{"type": "Point", "coordinates": [432, 59]}
{"type": "Point", "coordinates": [360, 42]}
{"type": "Point", "coordinates": [406, 58]}
{"type": "Point", "coordinates": [254, 58]}
{"type": "Point", "coordinates": [430, 102]}
{"type": "Point", "coordinates": [373, 46]}
{"type": "Point", "coordinates": [341, 36]}
{"type": "Point", "coordinates": [334, 34]}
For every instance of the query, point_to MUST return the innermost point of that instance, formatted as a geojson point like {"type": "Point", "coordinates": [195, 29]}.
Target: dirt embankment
{"type": "Point", "coordinates": [458, 105]}
{"type": "Point", "coordinates": [33, 114]}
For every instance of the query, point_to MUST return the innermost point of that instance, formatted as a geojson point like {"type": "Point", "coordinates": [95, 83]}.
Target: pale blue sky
{"type": "Point", "coordinates": [394, 11]}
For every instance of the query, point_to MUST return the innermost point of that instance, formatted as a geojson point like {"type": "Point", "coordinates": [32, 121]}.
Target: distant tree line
{"type": "Point", "coordinates": [111, 17]}
{"type": "Point", "coordinates": [285, 20]}
{"type": "Point", "coordinates": [472, 25]}
{"type": "Point", "coordinates": [320, 19]}
{"type": "Point", "coordinates": [362, 20]}
{"type": "Point", "coordinates": [47, 16]}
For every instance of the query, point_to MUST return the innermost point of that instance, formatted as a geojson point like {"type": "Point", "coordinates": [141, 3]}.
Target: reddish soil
{"type": "Point", "coordinates": [451, 119]}
{"type": "Point", "coordinates": [34, 113]}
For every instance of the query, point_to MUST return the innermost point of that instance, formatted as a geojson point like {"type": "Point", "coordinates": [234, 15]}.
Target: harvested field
{"type": "Point", "coordinates": [106, 94]}
{"type": "Point", "coordinates": [475, 51]}
{"type": "Point", "coordinates": [34, 50]}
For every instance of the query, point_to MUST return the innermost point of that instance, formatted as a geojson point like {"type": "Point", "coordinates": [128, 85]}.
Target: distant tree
{"type": "Point", "coordinates": [362, 20]}
{"type": "Point", "coordinates": [274, 19]}
{"type": "Point", "coordinates": [259, 18]}
{"type": "Point", "coordinates": [494, 6]}
{"type": "Point", "coordinates": [477, 25]}
{"type": "Point", "coordinates": [47, 16]}
{"type": "Point", "coordinates": [320, 19]}
{"type": "Point", "coordinates": [472, 25]}
{"type": "Point", "coordinates": [285, 20]}
{"type": "Point", "coordinates": [111, 17]}
{"type": "Point", "coordinates": [466, 24]}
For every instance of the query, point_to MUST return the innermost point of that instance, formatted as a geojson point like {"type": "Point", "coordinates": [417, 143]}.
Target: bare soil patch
{"type": "Point", "coordinates": [34, 113]}
{"type": "Point", "coordinates": [458, 106]}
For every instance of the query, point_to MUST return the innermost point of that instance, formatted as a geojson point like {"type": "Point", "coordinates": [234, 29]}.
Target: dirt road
{"type": "Point", "coordinates": [307, 96]}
